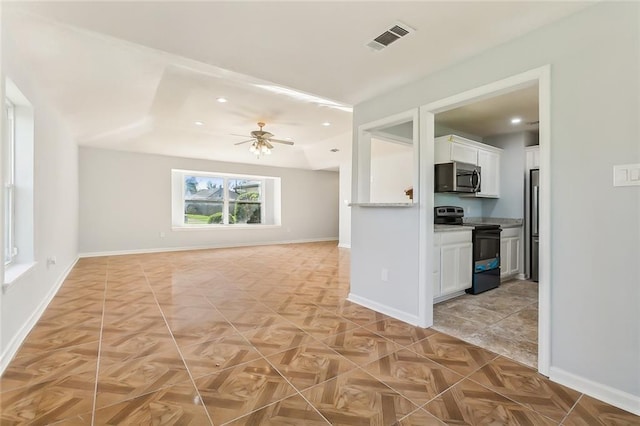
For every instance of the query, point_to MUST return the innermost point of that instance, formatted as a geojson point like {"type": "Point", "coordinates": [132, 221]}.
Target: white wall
{"type": "Point", "coordinates": [345, 209]}
{"type": "Point", "coordinates": [595, 273]}
{"type": "Point", "coordinates": [125, 202]}
{"type": "Point", "coordinates": [55, 222]}
{"type": "Point", "coordinates": [391, 171]}
{"type": "Point", "coordinates": [512, 159]}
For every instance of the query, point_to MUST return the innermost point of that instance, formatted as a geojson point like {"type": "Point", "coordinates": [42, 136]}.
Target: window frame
{"type": "Point", "coordinates": [269, 199]}
{"type": "Point", "coordinates": [9, 185]}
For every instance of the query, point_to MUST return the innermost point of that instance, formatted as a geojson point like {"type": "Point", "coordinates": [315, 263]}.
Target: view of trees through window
{"type": "Point", "coordinates": [222, 200]}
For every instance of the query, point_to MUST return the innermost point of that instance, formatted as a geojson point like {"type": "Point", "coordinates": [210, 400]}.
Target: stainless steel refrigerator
{"type": "Point", "coordinates": [535, 209]}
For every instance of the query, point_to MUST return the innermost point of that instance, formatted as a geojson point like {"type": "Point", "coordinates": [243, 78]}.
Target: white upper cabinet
{"type": "Point", "coordinates": [489, 163]}
{"type": "Point", "coordinates": [455, 148]}
{"type": "Point", "coordinates": [464, 153]}
{"type": "Point", "coordinates": [532, 154]}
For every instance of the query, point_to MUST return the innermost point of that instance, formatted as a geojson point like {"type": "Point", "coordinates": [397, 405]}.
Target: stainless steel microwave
{"type": "Point", "coordinates": [457, 177]}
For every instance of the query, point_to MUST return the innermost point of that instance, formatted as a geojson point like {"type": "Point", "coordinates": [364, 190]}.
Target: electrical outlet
{"type": "Point", "coordinates": [384, 276]}
{"type": "Point", "coordinates": [162, 234]}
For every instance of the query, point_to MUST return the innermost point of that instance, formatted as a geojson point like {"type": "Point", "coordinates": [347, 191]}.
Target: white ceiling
{"type": "Point", "coordinates": [136, 76]}
{"type": "Point", "coordinates": [492, 116]}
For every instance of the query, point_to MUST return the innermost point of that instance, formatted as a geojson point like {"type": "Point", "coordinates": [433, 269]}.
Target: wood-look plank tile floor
{"type": "Point", "coordinates": [259, 336]}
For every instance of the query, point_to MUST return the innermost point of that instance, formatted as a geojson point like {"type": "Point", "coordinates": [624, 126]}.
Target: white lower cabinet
{"type": "Point", "coordinates": [510, 252]}
{"type": "Point", "coordinates": [453, 257]}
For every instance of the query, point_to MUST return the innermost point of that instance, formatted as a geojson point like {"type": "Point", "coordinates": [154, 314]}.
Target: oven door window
{"type": "Point", "coordinates": [486, 247]}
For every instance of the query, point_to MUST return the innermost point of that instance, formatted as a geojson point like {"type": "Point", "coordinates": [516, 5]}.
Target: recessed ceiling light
{"type": "Point", "coordinates": [516, 120]}
{"type": "Point", "coordinates": [222, 100]}
{"type": "Point", "coordinates": [198, 123]}
{"type": "Point", "coordinates": [326, 124]}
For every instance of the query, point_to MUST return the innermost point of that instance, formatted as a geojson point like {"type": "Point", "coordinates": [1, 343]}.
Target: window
{"type": "Point", "coordinates": [10, 250]}
{"type": "Point", "coordinates": [219, 199]}
{"type": "Point", "coordinates": [17, 179]}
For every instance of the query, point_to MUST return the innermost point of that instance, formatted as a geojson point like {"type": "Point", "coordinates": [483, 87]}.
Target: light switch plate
{"type": "Point", "coordinates": [626, 175]}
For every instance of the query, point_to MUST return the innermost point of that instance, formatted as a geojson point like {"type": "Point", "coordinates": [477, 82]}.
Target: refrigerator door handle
{"type": "Point", "coordinates": [534, 212]}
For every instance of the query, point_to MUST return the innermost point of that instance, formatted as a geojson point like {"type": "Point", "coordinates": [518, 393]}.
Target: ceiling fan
{"type": "Point", "coordinates": [261, 141]}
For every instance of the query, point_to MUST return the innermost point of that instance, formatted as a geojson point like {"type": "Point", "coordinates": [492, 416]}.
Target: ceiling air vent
{"type": "Point", "coordinates": [395, 32]}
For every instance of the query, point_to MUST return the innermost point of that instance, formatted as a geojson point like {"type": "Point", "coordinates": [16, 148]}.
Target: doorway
{"type": "Point", "coordinates": [541, 77]}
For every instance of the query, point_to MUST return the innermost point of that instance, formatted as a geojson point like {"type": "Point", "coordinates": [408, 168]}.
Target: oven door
{"type": "Point", "coordinates": [486, 249]}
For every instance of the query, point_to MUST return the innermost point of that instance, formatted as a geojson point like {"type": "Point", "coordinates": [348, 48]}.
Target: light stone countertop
{"type": "Point", "coordinates": [503, 222]}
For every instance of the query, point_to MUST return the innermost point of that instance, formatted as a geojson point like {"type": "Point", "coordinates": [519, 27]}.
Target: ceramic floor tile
{"type": "Point", "coordinates": [215, 355]}
{"type": "Point", "coordinates": [128, 346]}
{"type": "Point", "coordinates": [525, 386]}
{"type": "Point", "coordinates": [323, 323]}
{"type": "Point", "coordinates": [49, 401]}
{"type": "Point", "coordinates": [287, 307]}
{"type": "Point", "coordinates": [311, 364]}
{"type": "Point", "coordinates": [521, 350]}
{"type": "Point", "coordinates": [202, 331]}
{"type": "Point", "coordinates": [413, 376]}
{"type": "Point", "coordinates": [360, 345]}
{"type": "Point", "coordinates": [175, 405]}
{"type": "Point", "coordinates": [52, 365]}
{"type": "Point", "coordinates": [420, 418]}
{"type": "Point", "coordinates": [291, 411]}
{"type": "Point", "coordinates": [591, 412]}
{"type": "Point", "coordinates": [277, 338]}
{"type": "Point", "coordinates": [522, 325]}
{"type": "Point", "coordinates": [469, 403]}
{"type": "Point", "coordinates": [453, 353]}
{"type": "Point", "coordinates": [122, 380]}
{"type": "Point", "coordinates": [43, 338]}
{"type": "Point", "coordinates": [400, 332]}
{"type": "Point", "coordinates": [239, 390]}
{"type": "Point", "coordinates": [357, 398]}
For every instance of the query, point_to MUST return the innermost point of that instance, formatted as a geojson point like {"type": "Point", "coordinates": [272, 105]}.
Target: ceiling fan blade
{"type": "Point", "coordinates": [240, 143]}
{"type": "Point", "coordinates": [266, 142]}
{"type": "Point", "coordinates": [242, 136]}
{"type": "Point", "coordinates": [281, 141]}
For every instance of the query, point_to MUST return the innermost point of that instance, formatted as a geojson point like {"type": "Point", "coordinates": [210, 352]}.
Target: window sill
{"type": "Point", "coordinates": [221, 227]}
{"type": "Point", "coordinates": [14, 272]}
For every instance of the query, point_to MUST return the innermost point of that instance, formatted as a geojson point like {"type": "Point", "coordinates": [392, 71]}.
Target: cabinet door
{"type": "Point", "coordinates": [489, 163]}
{"type": "Point", "coordinates": [514, 256]}
{"type": "Point", "coordinates": [448, 269]}
{"type": "Point", "coordinates": [505, 251]}
{"type": "Point", "coordinates": [465, 266]}
{"type": "Point", "coordinates": [464, 153]}
{"type": "Point", "coordinates": [455, 271]}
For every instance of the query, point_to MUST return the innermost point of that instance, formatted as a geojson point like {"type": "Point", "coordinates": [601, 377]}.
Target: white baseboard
{"type": "Point", "coordinates": [18, 338]}
{"type": "Point", "coordinates": [383, 309]}
{"type": "Point", "coordinates": [205, 247]}
{"type": "Point", "coordinates": [615, 397]}
{"type": "Point", "coordinates": [342, 245]}
{"type": "Point", "coordinates": [521, 277]}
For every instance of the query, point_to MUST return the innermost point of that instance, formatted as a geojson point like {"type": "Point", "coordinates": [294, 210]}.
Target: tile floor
{"type": "Point", "coordinates": [503, 320]}
{"type": "Point", "coordinates": [259, 336]}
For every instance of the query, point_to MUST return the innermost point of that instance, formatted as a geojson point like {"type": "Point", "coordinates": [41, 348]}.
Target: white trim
{"type": "Point", "coordinates": [18, 338]}
{"type": "Point", "coordinates": [542, 76]}
{"type": "Point", "coordinates": [384, 309]}
{"type": "Point", "coordinates": [361, 151]}
{"type": "Point", "coordinates": [219, 227]}
{"type": "Point", "coordinates": [15, 271]}
{"type": "Point", "coordinates": [204, 247]}
{"type": "Point", "coordinates": [343, 245]}
{"type": "Point", "coordinates": [615, 397]}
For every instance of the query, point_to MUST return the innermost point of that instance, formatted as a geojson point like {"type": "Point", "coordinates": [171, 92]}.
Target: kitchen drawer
{"type": "Point", "coordinates": [510, 232]}
{"type": "Point", "coordinates": [455, 237]}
